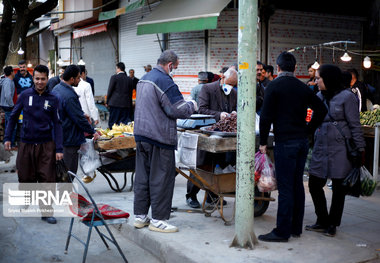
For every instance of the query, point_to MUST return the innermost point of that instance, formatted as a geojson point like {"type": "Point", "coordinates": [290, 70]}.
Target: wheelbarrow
{"type": "Point", "coordinates": [125, 165]}
{"type": "Point", "coordinates": [223, 185]}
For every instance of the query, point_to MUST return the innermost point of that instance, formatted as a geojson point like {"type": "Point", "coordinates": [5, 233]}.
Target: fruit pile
{"type": "Point", "coordinates": [228, 124]}
{"type": "Point", "coordinates": [116, 131]}
{"type": "Point", "coordinates": [370, 118]}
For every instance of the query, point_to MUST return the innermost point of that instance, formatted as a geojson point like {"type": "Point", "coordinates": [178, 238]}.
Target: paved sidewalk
{"type": "Point", "coordinates": [207, 239]}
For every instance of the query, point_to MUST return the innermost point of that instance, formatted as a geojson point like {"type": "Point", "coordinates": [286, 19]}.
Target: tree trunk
{"type": "Point", "coordinates": [18, 40]}
{"type": "Point", "coordinates": [26, 14]}
{"type": "Point", "coordinates": [5, 32]}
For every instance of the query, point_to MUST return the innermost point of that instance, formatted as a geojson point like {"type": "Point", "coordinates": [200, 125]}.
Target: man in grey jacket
{"type": "Point", "coordinates": [158, 104]}
{"type": "Point", "coordinates": [6, 99]}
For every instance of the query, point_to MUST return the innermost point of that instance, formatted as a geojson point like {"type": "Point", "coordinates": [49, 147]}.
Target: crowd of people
{"type": "Point", "coordinates": [59, 113]}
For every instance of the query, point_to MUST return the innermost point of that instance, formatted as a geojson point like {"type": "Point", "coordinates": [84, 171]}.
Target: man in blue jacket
{"type": "Point", "coordinates": [41, 134]}
{"type": "Point", "coordinates": [158, 105]}
{"type": "Point", "coordinates": [23, 80]}
{"type": "Point", "coordinates": [74, 123]}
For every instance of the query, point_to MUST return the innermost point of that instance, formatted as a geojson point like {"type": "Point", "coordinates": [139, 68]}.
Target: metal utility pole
{"type": "Point", "coordinates": [247, 47]}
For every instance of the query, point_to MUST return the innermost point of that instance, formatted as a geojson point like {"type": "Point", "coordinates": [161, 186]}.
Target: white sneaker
{"type": "Point", "coordinates": [162, 226]}
{"type": "Point", "coordinates": [140, 223]}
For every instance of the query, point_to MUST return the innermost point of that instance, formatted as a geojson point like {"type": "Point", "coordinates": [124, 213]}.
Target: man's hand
{"type": "Point", "coordinates": [263, 149]}
{"type": "Point", "coordinates": [223, 115]}
{"type": "Point", "coordinates": [7, 145]}
{"type": "Point", "coordinates": [195, 105]}
{"type": "Point", "coordinates": [58, 156]}
{"type": "Point", "coordinates": [96, 136]}
{"type": "Point", "coordinates": [96, 122]}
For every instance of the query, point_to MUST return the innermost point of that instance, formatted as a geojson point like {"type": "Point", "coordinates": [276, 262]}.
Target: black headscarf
{"type": "Point", "coordinates": [333, 80]}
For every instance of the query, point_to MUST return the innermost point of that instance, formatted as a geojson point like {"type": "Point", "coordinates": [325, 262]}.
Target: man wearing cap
{"type": "Point", "coordinates": [202, 79]}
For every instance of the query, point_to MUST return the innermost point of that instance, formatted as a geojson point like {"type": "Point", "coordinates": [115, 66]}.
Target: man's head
{"type": "Point", "coordinates": [8, 72]}
{"type": "Point", "coordinates": [168, 61]}
{"type": "Point", "coordinates": [148, 68]}
{"type": "Point", "coordinates": [311, 71]}
{"type": "Point", "coordinates": [71, 75]}
{"type": "Point", "coordinates": [286, 62]}
{"type": "Point", "coordinates": [131, 73]}
{"type": "Point", "coordinates": [230, 77]}
{"type": "Point", "coordinates": [202, 77]}
{"type": "Point", "coordinates": [82, 71]}
{"type": "Point", "coordinates": [22, 66]}
{"type": "Point", "coordinates": [40, 78]}
{"type": "Point", "coordinates": [120, 67]}
{"type": "Point", "coordinates": [269, 71]}
{"type": "Point", "coordinates": [260, 71]}
{"type": "Point", "coordinates": [354, 75]}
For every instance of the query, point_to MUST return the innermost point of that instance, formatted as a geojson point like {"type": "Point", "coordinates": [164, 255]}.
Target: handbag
{"type": "Point", "coordinates": [352, 149]}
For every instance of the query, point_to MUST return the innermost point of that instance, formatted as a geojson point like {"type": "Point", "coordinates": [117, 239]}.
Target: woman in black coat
{"type": "Point", "coordinates": [329, 159]}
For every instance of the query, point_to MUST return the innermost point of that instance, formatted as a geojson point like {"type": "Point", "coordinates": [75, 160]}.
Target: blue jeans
{"type": "Point", "coordinates": [290, 157]}
{"type": "Point", "coordinates": [13, 137]}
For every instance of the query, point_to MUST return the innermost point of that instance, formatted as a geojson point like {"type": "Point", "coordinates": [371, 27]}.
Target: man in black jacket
{"type": "Point", "coordinates": [119, 97]}
{"type": "Point", "coordinates": [285, 105]}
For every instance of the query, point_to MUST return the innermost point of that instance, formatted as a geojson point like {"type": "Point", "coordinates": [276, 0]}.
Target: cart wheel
{"type": "Point", "coordinates": [260, 206]}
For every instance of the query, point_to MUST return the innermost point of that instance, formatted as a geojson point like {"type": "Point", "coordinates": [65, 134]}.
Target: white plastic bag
{"type": "Point", "coordinates": [187, 149]}
{"type": "Point", "coordinates": [89, 158]}
{"type": "Point", "coordinates": [267, 181]}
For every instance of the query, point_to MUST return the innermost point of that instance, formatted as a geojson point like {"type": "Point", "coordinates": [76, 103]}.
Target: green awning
{"type": "Point", "coordinates": [120, 11]}
{"type": "Point", "coordinates": [181, 16]}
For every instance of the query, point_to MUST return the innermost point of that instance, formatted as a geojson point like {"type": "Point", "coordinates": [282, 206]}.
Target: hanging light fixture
{"type": "Point", "coordinates": [316, 64]}
{"type": "Point", "coordinates": [81, 62]}
{"type": "Point", "coordinates": [20, 51]}
{"type": "Point", "coordinates": [345, 56]}
{"type": "Point", "coordinates": [60, 61]}
{"type": "Point", "coordinates": [29, 65]}
{"type": "Point", "coordinates": [367, 62]}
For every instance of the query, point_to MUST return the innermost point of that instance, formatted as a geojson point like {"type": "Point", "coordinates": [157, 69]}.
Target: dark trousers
{"type": "Point", "coordinates": [154, 180]}
{"type": "Point", "coordinates": [290, 157]}
{"type": "Point", "coordinates": [70, 157]}
{"type": "Point", "coordinates": [324, 218]}
{"type": "Point", "coordinates": [119, 115]}
{"type": "Point", "coordinates": [36, 163]}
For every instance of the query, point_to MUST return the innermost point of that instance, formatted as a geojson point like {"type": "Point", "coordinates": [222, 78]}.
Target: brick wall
{"type": "Point", "coordinates": [291, 29]}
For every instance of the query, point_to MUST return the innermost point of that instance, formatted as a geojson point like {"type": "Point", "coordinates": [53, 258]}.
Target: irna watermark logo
{"type": "Point", "coordinates": [38, 199]}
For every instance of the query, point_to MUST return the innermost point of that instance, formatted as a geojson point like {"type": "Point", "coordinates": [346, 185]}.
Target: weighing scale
{"type": "Point", "coordinates": [196, 121]}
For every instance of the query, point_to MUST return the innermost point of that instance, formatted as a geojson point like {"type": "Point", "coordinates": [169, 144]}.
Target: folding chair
{"type": "Point", "coordinates": [94, 215]}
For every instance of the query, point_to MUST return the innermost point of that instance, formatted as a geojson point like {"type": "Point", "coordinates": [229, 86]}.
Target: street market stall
{"type": "Point", "coordinates": [370, 121]}
{"type": "Point", "coordinates": [207, 178]}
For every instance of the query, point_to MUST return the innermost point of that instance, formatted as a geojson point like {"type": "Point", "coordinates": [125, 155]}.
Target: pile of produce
{"type": "Point", "coordinates": [116, 131]}
{"type": "Point", "coordinates": [370, 118]}
{"type": "Point", "coordinates": [228, 124]}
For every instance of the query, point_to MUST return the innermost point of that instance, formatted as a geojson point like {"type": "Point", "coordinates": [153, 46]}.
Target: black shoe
{"type": "Point", "coordinates": [193, 203]}
{"type": "Point", "coordinates": [330, 231]}
{"type": "Point", "coordinates": [50, 219]}
{"type": "Point", "coordinates": [272, 237]}
{"type": "Point", "coordinates": [315, 228]}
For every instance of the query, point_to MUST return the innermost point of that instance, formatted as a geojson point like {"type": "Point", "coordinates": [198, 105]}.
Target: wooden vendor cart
{"type": "Point", "coordinates": [224, 184]}
{"type": "Point", "coordinates": [122, 164]}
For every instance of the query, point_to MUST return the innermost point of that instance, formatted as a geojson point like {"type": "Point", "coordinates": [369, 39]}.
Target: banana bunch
{"type": "Point", "coordinates": [116, 131]}
{"type": "Point", "coordinates": [128, 128]}
{"type": "Point", "coordinates": [370, 118]}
